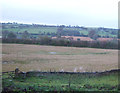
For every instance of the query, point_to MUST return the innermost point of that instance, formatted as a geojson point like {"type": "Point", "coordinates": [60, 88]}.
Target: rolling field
{"type": "Point", "coordinates": [55, 58]}
{"type": "Point", "coordinates": [33, 29]}
{"type": "Point", "coordinates": [53, 29]}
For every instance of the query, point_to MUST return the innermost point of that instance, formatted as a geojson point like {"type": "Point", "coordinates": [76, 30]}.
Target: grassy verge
{"type": "Point", "coordinates": [62, 82]}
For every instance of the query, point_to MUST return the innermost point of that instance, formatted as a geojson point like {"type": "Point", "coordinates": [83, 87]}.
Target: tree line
{"type": "Point", "coordinates": [44, 40]}
{"type": "Point", "coordinates": [10, 37]}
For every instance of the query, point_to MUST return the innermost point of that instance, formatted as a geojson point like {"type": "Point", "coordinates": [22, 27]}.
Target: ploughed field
{"type": "Point", "coordinates": [57, 58]}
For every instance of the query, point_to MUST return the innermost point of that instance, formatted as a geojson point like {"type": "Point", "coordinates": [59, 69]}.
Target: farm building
{"type": "Point", "coordinates": [105, 39]}
{"type": "Point", "coordinates": [77, 38]}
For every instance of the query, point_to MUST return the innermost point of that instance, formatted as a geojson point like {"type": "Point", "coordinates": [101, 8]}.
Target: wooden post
{"type": "Point", "coordinates": [16, 72]}
{"type": "Point", "coordinates": [69, 81]}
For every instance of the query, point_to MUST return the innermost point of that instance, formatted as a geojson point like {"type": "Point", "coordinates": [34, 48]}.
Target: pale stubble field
{"type": "Point", "coordinates": [57, 58]}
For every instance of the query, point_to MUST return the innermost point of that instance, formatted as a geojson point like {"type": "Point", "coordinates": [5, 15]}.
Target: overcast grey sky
{"type": "Point", "coordinates": [89, 13]}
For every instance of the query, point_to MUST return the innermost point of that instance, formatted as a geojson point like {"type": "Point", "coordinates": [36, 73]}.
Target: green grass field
{"type": "Point", "coordinates": [54, 29]}
{"type": "Point", "coordinates": [62, 82]}
{"type": "Point", "coordinates": [33, 29]}
{"type": "Point", "coordinates": [54, 58]}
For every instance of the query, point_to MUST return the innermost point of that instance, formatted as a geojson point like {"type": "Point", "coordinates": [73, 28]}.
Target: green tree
{"type": "Point", "coordinates": [60, 30]}
{"type": "Point", "coordinates": [5, 33]}
{"type": "Point", "coordinates": [11, 35]}
{"type": "Point", "coordinates": [25, 35]}
{"type": "Point", "coordinates": [44, 40]}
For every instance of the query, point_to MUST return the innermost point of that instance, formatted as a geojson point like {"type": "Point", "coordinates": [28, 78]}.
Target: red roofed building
{"type": "Point", "coordinates": [105, 39]}
{"type": "Point", "coordinates": [78, 38]}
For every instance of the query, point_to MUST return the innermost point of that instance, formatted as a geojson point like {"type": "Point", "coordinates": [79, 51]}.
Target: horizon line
{"type": "Point", "coordinates": [58, 24]}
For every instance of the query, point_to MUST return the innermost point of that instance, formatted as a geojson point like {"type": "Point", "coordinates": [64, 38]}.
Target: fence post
{"type": "Point", "coordinates": [16, 72]}
{"type": "Point", "coordinates": [69, 81]}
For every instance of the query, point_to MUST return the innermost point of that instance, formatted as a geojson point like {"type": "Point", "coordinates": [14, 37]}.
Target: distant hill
{"type": "Point", "coordinates": [51, 30]}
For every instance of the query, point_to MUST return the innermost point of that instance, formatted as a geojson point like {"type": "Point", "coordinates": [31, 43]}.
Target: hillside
{"type": "Point", "coordinates": [51, 30]}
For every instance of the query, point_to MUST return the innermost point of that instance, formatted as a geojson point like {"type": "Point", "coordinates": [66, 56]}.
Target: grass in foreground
{"type": "Point", "coordinates": [62, 82]}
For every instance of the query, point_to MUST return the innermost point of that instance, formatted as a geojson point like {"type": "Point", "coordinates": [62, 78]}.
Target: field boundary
{"type": "Point", "coordinates": [37, 73]}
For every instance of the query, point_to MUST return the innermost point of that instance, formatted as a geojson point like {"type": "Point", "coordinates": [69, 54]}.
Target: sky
{"type": "Point", "coordinates": [88, 13]}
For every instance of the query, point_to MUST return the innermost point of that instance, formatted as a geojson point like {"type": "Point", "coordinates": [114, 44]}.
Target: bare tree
{"type": "Point", "coordinates": [93, 34]}
{"type": "Point", "coordinates": [59, 30]}
{"type": "Point", "coordinates": [25, 35]}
